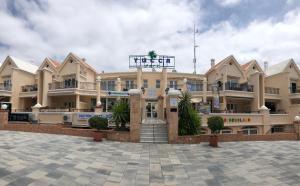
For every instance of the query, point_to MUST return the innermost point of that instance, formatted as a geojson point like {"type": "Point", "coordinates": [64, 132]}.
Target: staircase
{"type": "Point", "coordinates": [153, 131]}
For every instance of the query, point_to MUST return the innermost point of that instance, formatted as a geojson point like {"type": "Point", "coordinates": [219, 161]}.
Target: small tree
{"type": "Point", "coordinates": [98, 123]}
{"type": "Point", "coordinates": [215, 123]}
{"type": "Point", "coordinates": [121, 114]}
{"type": "Point", "coordinates": [189, 119]}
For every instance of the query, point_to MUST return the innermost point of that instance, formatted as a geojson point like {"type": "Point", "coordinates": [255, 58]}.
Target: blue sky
{"type": "Point", "coordinates": [107, 32]}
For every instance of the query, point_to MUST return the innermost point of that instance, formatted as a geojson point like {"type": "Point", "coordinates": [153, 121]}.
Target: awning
{"type": "Point", "coordinates": [196, 100]}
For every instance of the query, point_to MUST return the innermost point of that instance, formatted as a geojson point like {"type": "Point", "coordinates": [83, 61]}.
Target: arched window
{"type": "Point", "coordinates": [226, 130]}
{"type": "Point", "coordinates": [250, 130]}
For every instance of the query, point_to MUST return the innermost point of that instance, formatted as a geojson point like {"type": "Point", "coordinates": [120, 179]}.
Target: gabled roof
{"type": "Point", "coordinates": [280, 67]}
{"type": "Point", "coordinates": [250, 64]}
{"type": "Point", "coordinates": [79, 59]}
{"type": "Point", "coordinates": [223, 62]}
{"type": "Point", "coordinates": [22, 65]}
{"type": "Point", "coordinates": [55, 63]}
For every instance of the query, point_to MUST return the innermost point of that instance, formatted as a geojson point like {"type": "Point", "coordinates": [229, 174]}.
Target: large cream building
{"type": "Point", "coordinates": [73, 85]}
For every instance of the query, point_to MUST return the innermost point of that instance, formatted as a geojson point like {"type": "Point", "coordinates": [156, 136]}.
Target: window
{"type": "Point", "coordinates": [278, 128]}
{"type": "Point", "coordinates": [293, 87]}
{"type": "Point", "coordinates": [226, 130]}
{"type": "Point", "coordinates": [157, 83]}
{"type": "Point", "coordinates": [194, 85]}
{"type": "Point", "coordinates": [173, 84]}
{"type": "Point", "coordinates": [70, 83]}
{"type": "Point", "coordinates": [231, 107]}
{"type": "Point", "coordinates": [129, 84]}
{"type": "Point", "coordinates": [145, 83]}
{"type": "Point", "coordinates": [7, 83]}
{"type": "Point", "coordinates": [250, 130]}
{"type": "Point", "coordinates": [108, 85]}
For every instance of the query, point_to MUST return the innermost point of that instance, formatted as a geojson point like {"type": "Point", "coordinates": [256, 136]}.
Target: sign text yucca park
{"type": "Point", "coordinates": [145, 61]}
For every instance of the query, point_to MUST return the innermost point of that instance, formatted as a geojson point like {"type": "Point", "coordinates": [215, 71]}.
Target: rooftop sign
{"type": "Point", "coordinates": [145, 61]}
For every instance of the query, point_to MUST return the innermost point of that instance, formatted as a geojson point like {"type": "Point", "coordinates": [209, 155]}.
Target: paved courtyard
{"type": "Point", "coordinates": [45, 159]}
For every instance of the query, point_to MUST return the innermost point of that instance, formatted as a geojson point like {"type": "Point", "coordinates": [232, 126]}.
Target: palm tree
{"type": "Point", "coordinates": [121, 114]}
{"type": "Point", "coordinates": [189, 120]}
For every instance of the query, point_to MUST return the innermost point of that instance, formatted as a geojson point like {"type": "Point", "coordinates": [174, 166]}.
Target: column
{"type": "Point", "coordinates": [255, 81]}
{"type": "Point", "coordinates": [99, 107]}
{"type": "Point", "coordinates": [119, 84]}
{"type": "Point", "coordinates": [184, 87]}
{"type": "Point", "coordinates": [266, 119]}
{"type": "Point", "coordinates": [204, 90]}
{"type": "Point", "coordinates": [77, 102]}
{"type": "Point", "coordinates": [139, 78]}
{"type": "Point", "coordinates": [172, 115]}
{"type": "Point", "coordinates": [40, 89]}
{"type": "Point", "coordinates": [135, 114]}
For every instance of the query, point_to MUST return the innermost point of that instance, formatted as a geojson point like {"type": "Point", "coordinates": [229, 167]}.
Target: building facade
{"type": "Point", "coordinates": [227, 87]}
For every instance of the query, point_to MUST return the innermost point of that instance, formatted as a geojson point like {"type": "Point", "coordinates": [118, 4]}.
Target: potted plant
{"type": "Point", "coordinates": [215, 123]}
{"type": "Point", "coordinates": [98, 123]}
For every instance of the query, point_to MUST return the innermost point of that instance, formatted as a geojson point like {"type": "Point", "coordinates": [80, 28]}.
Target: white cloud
{"type": "Point", "coordinates": [107, 32]}
{"type": "Point", "coordinates": [228, 2]}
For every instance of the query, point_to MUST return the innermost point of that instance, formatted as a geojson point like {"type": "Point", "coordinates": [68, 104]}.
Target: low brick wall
{"type": "Point", "coordinates": [237, 137]}
{"type": "Point", "coordinates": [60, 129]}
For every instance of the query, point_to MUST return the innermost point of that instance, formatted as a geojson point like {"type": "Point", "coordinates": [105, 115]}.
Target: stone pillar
{"type": "Point", "coordinates": [204, 90]}
{"type": "Point", "coordinates": [35, 112]}
{"type": "Point", "coordinates": [135, 114]}
{"type": "Point", "coordinates": [172, 115]}
{"type": "Point", "coordinates": [119, 84]}
{"type": "Point", "coordinates": [184, 87]}
{"type": "Point", "coordinates": [266, 119]}
{"type": "Point", "coordinates": [98, 89]}
{"type": "Point", "coordinates": [47, 77]}
{"type": "Point", "coordinates": [77, 102]}
{"type": "Point", "coordinates": [255, 81]}
{"type": "Point", "coordinates": [139, 78]}
{"type": "Point", "coordinates": [39, 86]}
{"type": "Point", "coordinates": [3, 118]}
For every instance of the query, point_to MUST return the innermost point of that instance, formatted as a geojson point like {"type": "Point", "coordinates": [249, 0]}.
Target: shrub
{"type": "Point", "coordinates": [189, 119]}
{"type": "Point", "coordinates": [121, 114]}
{"type": "Point", "coordinates": [98, 123]}
{"type": "Point", "coordinates": [215, 123]}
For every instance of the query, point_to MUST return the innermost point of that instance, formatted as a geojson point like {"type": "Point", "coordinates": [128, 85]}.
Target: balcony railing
{"type": "Point", "coordinates": [72, 84]}
{"type": "Point", "coordinates": [271, 90]}
{"type": "Point", "coordinates": [29, 88]}
{"type": "Point", "coordinates": [63, 85]}
{"type": "Point", "coordinates": [239, 87]}
{"type": "Point", "coordinates": [5, 86]}
{"type": "Point", "coordinates": [128, 87]}
{"type": "Point", "coordinates": [87, 85]}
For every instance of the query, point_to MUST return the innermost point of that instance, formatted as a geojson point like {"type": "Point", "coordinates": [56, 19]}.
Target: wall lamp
{"type": "Point", "coordinates": [167, 90]}
{"type": "Point", "coordinates": [143, 90]}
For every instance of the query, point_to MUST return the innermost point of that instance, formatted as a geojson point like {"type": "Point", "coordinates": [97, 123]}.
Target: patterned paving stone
{"type": "Point", "coordinates": [45, 159]}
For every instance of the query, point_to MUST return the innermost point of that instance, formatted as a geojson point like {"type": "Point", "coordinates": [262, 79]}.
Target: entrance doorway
{"type": "Point", "coordinates": [151, 109]}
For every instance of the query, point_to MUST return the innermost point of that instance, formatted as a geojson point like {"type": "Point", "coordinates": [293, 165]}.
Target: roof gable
{"type": "Point", "coordinates": [76, 58]}
{"type": "Point", "coordinates": [225, 61]}
{"type": "Point", "coordinates": [281, 67]}
{"type": "Point", "coordinates": [20, 64]}
{"type": "Point", "coordinates": [52, 63]}
{"type": "Point", "coordinates": [247, 67]}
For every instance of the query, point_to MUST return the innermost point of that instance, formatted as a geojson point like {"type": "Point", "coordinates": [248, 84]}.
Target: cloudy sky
{"type": "Point", "coordinates": [107, 32]}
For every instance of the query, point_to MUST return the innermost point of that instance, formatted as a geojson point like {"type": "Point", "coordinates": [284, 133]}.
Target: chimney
{"type": "Point", "coordinates": [212, 62]}
{"type": "Point", "coordinates": [266, 64]}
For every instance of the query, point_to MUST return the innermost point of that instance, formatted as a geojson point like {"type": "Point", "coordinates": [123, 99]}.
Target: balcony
{"type": "Point", "coordinates": [5, 89]}
{"type": "Point", "coordinates": [72, 88]}
{"type": "Point", "coordinates": [128, 86]}
{"type": "Point", "coordinates": [238, 87]}
{"type": "Point", "coordinates": [28, 91]}
{"type": "Point", "coordinates": [272, 93]}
